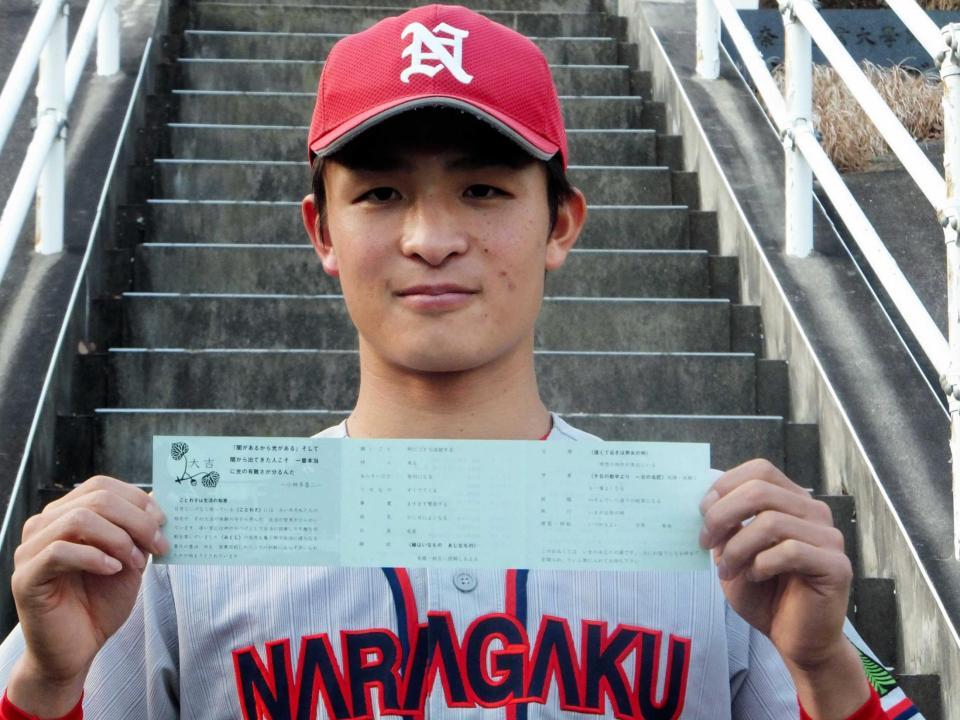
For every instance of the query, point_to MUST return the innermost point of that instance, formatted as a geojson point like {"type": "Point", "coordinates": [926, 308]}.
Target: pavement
{"type": "Point", "coordinates": [907, 223]}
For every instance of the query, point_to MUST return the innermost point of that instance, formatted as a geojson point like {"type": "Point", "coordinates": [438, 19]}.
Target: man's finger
{"type": "Point", "coordinates": [793, 556]}
{"type": "Point", "coordinates": [142, 524]}
{"type": "Point", "coordinates": [83, 526]}
{"type": "Point", "coordinates": [727, 515]}
{"type": "Point", "coordinates": [128, 492]}
{"type": "Point", "coordinates": [59, 558]}
{"type": "Point", "coordinates": [768, 530]}
{"type": "Point", "coordinates": [751, 470]}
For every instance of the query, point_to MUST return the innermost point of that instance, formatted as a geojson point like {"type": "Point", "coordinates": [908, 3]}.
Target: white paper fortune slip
{"type": "Point", "coordinates": [431, 503]}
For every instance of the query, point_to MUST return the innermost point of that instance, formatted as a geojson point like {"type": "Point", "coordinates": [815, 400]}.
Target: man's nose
{"type": "Point", "coordinates": [433, 233]}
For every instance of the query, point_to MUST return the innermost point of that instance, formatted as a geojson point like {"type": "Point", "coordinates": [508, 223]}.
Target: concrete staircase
{"type": "Point", "coordinates": [218, 319]}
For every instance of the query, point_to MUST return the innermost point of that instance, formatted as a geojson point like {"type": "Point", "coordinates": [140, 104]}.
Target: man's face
{"type": "Point", "coordinates": [441, 254]}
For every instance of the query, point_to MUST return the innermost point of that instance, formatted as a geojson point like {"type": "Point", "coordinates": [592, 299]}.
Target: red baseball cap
{"type": "Point", "coordinates": [438, 55]}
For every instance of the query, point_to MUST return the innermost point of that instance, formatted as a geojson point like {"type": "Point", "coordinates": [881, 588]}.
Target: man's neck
{"type": "Point", "coordinates": [499, 401]}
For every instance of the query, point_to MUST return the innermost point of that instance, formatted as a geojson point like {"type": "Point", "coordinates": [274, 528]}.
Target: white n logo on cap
{"type": "Point", "coordinates": [439, 49]}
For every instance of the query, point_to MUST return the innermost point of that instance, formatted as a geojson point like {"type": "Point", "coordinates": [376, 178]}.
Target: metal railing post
{"type": "Point", "coordinates": [18, 82]}
{"type": "Point", "coordinates": [42, 175]}
{"type": "Point", "coordinates": [108, 40]}
{"type": "Point", "coordinates": [708, 40]}
{"type": "Point", "coordinates": [877, 110]}
{"type": "Point", "coordinates": [798, 87]}
{"type": "Point", "coordinates": [949, 62]}
{"type": "Point", "coordinates": [52, 100]}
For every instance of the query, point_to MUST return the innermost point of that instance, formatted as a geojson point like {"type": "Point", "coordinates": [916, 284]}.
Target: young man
{"type": "Point", "coordinates": [440, 202]}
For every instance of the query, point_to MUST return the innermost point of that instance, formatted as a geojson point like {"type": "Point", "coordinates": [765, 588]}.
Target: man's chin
{"type": "Point", "coordinates": [436, 358]}
{"type": "Point", "coordinates": [440, 354]}
{"type": "Point", "coordinates": [441, 363]}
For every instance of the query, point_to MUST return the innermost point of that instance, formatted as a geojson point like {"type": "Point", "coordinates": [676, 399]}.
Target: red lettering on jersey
{"type": "Point", "coordinates": [436, 649]}
{"type": "Point", "coordinates": [318, 674]}
{"type": "Point", "coordinates": [495, 676]}
{"type": "Point", "coordinates": [363, 673]}
{"type": "Point", "coordinates": [494, 666]}
{"type": "Point", "coordinates": [554, 657]}
{"type": "Point", "coordinates": [670, 705]}
{"type": "Point", "coordinates": [603, 673]}
{"type": "Point", "coordinates": [264, 693]}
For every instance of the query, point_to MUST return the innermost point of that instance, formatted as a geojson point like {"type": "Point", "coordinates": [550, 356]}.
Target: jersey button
{"type": "Point", "coordinates": [464, 582]}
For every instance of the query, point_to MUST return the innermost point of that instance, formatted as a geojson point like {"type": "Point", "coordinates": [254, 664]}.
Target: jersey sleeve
{"type": "Point", "coordinates": [871, 710]}
{"type": "Point", "coordinates": [9, 711]}
{"type": "Point", "coordinates": [136, 672]}
{"type": "Point", "coordinates": [760, 686]}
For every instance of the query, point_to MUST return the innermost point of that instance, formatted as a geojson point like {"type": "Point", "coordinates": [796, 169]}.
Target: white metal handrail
{"type": "Point", "coordinates": [804, 158]}
{"type": "Point", "coordinates": [43, 168]}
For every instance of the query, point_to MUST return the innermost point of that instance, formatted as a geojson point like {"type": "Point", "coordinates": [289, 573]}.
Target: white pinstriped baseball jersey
{"type": "Point", "coordinates": [213, 643]}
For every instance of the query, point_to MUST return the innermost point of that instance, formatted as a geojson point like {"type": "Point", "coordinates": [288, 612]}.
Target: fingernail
{"type": "Point", "coordinates": [113, 564]}
{"type": "Point", "coordinates": [709, 499]}
{"type": "Point", "coordinates": [154, 509]}
{"type": "Point", "coordinates": [160, 543]}
{"type": "Point", "coordinates": [704, 538]}
{"type": "Point", "coordinates": [139, 561]}
{"type": "Point", "coordinates": [722, 570]}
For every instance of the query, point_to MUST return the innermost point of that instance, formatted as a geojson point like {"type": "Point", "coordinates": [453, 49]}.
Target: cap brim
{"type": "Point", "coordinates": [538, 146]}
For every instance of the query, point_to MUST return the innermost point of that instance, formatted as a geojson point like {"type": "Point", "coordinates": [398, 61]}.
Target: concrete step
{"type": "Point", "coordinates": [878, 621]}
{"type": "Point", "coordinates": [295, 269]}
{"type": "Point", "coordinates": [670, 151]}
{"type": "Point", "coordinates": [704, 231]}
{"type": "Point", "coordinates": [844, 511]}
{"type": "Point", "coordinates": [876, 618]}
{"type": "Point", "coordinates": [725, 277]}
{"type": "Point", "coordinates": [253, 142]}
{"type": "Point", "coordinates": [845, 520]}
{"type": "Point", "coordinates": [269, 180]}
{"type": "Point", "coordinates": [926, 693]}
{"type": "Point", "coordinates": [746, 332]}
{"type": "Point", "coordinates": [338, 19]}
{"type": "Point", "coordinates": [316, 46]}
{"type": "Point", "coordinates": [260, 75]}
{"type": "Point", "coordinates": [663, 227]}
{"type": "Point", "coordinates": [802, 441]}
{"type": "Point", "coordinates": [111, 441]}
{"type": "Point", "coordinates": [675, 383]}
{"type": "Point", "coordinates": [321, 322]}
{"type": "Point", "coordinates": [240, 108]}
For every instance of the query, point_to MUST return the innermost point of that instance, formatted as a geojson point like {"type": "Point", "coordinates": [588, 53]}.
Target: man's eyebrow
{"type": "Point", "coordinates": [478, 162]}
{"type": "Point", "coordinates": [378, 163]}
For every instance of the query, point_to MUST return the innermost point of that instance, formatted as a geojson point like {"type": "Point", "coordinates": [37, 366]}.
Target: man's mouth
{"type": "Point", "coordinates": [436, 297]}
{"type": "Point", "coordinates": [436, 290]}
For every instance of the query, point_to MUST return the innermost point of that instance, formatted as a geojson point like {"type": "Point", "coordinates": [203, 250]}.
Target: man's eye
{"type": "Point", "coordinates": [380, 194]}
{"type": "Point", "coordinates": [483, 191]}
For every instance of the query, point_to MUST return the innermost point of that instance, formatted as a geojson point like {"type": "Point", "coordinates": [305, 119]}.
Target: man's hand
{"type": "Point", "coordinates": [77, 573]}
{"type": "Point", "coordinates": [783, 569]}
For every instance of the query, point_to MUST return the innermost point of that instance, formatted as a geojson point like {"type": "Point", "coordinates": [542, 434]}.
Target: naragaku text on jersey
{"type": "Point", "coordinates": [494, 664]}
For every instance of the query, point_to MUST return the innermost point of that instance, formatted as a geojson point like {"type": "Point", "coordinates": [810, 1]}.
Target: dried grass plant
{"type": "Point", "coordinates": [848, 136]}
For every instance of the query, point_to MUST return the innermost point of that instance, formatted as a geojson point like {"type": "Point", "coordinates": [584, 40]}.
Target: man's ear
{"type": "Point", "coordinates": [316, 227]}
{"type": "Point", "coordinates": [571, 214]}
